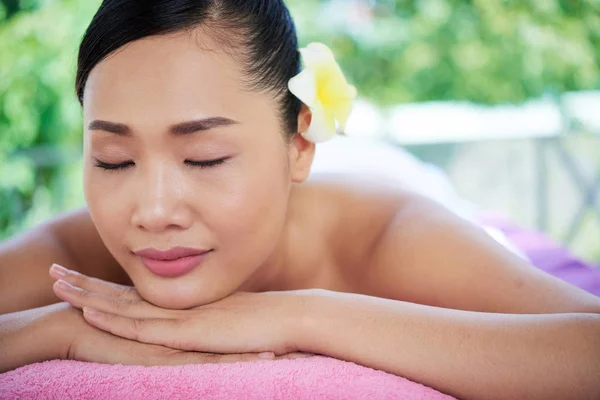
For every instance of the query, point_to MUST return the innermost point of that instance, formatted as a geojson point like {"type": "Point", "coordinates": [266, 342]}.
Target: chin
{"type": "Point", "coordinates": [178, 295]}
{"type": "Point", "coordinates": [170, 302]}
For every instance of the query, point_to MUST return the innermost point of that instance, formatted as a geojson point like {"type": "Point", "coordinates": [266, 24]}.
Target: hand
{"type": "Point", "coordinates": [82, 342]}
{"type": "Point", "coordinates": [240, 323]}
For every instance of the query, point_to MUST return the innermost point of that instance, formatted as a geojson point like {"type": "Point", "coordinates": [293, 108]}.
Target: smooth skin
{"type": "Point", "coordinates": [337, 265]}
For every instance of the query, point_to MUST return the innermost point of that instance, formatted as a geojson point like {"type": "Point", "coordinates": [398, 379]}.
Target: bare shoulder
{"type": "Point", "coordinates": [79, 235]}
{"type": "Point", "coordinates": [350, 213]}
{"type": "Point", "coordinates": [428, 255]}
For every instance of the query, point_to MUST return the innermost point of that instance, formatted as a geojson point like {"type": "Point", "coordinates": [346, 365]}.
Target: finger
{"type": "Point", "coordinates": [213, 358]}
{"type": "Point", "coordinates": [128, 352]}
{"type": "Point", "coordinates": [179, 357]}
{"type": "Point", "coordinates": [210, 358]}
{"type": "Point", "coordinates": [294, 356]}
{"type": "Point", "coordinates": [81, 298]}
{"type": "Point", "coordinates": [93, 284]}
{"type": "Point", "coordinates": [160, 331]}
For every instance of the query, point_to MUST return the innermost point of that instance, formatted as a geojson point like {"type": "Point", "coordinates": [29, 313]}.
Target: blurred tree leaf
{"type": "Point", "coordinates": [10, 8]}
{"type": "Point", "coordinates": [486, 51]}
{"type": "Point", "coordinates": [38, 108]}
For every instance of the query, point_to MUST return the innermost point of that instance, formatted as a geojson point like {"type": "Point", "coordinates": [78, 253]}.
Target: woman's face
{"type": "Point", "coordinates": [195, 160]}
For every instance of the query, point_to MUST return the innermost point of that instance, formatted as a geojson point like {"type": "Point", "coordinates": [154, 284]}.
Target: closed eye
{"type": "Point", "coordinates": [114, 167]}
{"type": "Point", "coordinates": [206, 164]}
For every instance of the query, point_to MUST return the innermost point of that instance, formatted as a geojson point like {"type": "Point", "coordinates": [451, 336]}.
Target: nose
{"type": "Point", "coordinates": [160, 204]}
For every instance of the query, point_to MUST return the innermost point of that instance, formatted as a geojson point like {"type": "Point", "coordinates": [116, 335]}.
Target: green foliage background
{"type": "Point", "coordinates": [487, 51]}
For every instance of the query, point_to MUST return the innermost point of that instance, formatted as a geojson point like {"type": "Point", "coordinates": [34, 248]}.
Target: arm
{"type": "Point", "coordinates": [32, 327]}
{"type": "Point", "coordinates": [507, 329]}
{"type": "Point", "coordinates": [464, 353]}
{"type": "Point", "coordinates": [27, 337]}
{"type": "Point", "coordinates": [470, 355]}
{"type": "Point", "coordinates": [70, 240]}
{"type": "Point", "coordinates": [59, 331]}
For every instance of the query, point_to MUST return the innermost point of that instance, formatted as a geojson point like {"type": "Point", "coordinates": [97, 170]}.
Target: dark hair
{"type": "Point", "coordinates": [260, 32]}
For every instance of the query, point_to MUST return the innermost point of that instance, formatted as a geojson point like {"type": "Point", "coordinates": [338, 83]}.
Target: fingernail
{"type": "Point", "coordinates": [64, 285]}
{"type": "Point", "coordinates": [267, 355]}
{"type": "Point", "coordinates": [90, 312]}
{"type": "Point", "coordinates": [59, 271]}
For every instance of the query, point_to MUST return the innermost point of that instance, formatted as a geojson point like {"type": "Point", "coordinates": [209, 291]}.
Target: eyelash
{"type": "Point", "coordinates": [126, 165]}
{"type": "Point", "coordinates": [206, 164]}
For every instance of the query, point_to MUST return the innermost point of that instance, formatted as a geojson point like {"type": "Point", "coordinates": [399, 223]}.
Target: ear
{"type": "Point", "coordinates": [302, 151]}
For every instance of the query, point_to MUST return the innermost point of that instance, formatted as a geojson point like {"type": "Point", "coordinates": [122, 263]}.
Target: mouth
{"type": "Point", "coordinates": [174, 262]}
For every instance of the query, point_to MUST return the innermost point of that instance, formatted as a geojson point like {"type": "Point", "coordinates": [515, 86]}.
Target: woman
{"type": "Point", "coordinates": [206, 243]}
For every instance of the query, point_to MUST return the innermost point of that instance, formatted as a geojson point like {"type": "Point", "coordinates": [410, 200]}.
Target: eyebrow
{"type": "Point", "coordinates": [181, 129]}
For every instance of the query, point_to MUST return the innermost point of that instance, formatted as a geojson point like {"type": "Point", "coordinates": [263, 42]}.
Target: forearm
{"type": "Point", "coordinates": [466, 354]}
{"type": "Point", "coordinates": [27, 337]}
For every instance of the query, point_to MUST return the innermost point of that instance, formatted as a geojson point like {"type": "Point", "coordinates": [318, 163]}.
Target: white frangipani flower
{"type": "Point", "coordinates": [323, 88]}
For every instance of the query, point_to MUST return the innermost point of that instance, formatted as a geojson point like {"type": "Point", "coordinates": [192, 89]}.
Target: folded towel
{"type": "Point", "coordinates": [307, 378]}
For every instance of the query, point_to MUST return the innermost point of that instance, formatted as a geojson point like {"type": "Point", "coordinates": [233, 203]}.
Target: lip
{"type": "Point", "coordinates": [172, 263]}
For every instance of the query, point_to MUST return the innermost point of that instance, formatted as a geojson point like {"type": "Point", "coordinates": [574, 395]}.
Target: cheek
{"type": "Point", "coordinates": [251, 210]}
{"type": "Point", "coordinates": [107, 207]}
{"type": "Point", "coordinates": [257, 183]}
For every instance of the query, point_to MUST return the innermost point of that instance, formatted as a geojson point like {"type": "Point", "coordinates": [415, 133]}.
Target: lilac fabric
{"type": "Point", "coordinates": [546, 254]}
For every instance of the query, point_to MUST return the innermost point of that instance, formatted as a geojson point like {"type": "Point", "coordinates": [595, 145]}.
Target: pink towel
{"type": "Point", "coordinates": [308, 378]}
